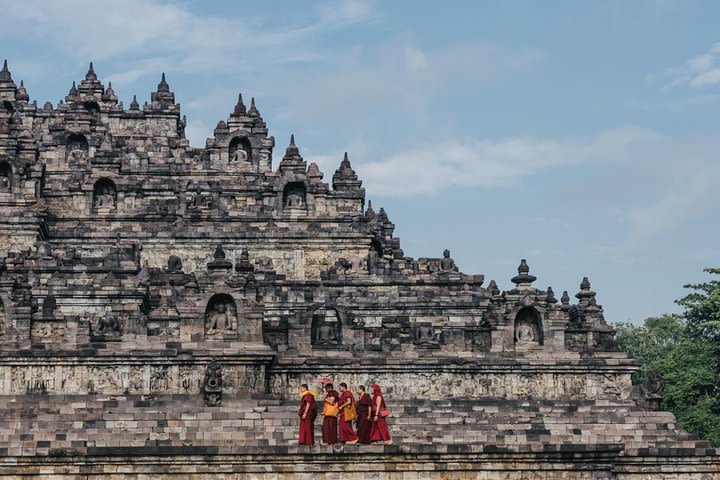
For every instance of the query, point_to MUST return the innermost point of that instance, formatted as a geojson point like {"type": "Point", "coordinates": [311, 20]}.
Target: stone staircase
{"type": "Point", "coordinates": [40, 425]}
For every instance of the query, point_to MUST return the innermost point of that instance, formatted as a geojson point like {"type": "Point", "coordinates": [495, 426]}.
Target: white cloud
{"type": "Point", "coordinates": [176, 38]}
{"type": "Point", "coordinates": [700, 71]}
{"type": "Point", "coordinates": [651, 183]}
{"type": "Point", "coordinates": [431, 168]}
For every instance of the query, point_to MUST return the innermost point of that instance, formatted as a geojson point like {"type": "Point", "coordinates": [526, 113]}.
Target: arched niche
{"type": "Point", "coordinates": [326, 328]}
{"type": "Point", "coordinates": [76, 146]}
{"type": "Point", "coordinates": [104, 194]}
{"type": "Point", "coordinates": [528, 327]}
{"type": "Point", "coordinates": [294, 196]}
{"type": "Point", "coordinates": [239, 151]}
{"type": "Point", "coordinates": [221, 316]}
{"type": "Point", "coordinates": [6, 177]}
{"type": "Point", "coordinates": [92, 107]}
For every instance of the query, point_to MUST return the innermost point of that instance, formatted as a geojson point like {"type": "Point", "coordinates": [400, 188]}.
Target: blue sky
{"type": "Point", "coordinates": [583, 136]}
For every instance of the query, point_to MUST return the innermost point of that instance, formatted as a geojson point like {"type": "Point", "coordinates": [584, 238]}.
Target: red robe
{"type": "Point", "coordinates": [330, 425]}
{"type": "Point", "coordinates": [363, 422]}
{"type": "Point", "coordinates": [307, 425]}
{"type": "Point", "coordinates": [347, 434]}
{"type": "Point", "coordinates": [379, 431]}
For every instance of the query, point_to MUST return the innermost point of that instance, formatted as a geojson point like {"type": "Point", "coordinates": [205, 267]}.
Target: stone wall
{"type": "Point", "coordinates": [160, 306]}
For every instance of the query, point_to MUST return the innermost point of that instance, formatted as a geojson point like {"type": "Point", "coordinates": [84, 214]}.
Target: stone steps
{"type": "Point", "coordinates": [47, 425]}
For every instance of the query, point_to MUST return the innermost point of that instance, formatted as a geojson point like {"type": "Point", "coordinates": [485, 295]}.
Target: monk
{"type": "Point", "coordinates": [308, 414]}
{"type": "Point", "coordinates": [379, 430]}
{"type": "Point", "coordinates": [329, 426]}
{"type": "Point", "coordinates": [347, 401]}
{"type": "Point", "coordinates": [363, 422]}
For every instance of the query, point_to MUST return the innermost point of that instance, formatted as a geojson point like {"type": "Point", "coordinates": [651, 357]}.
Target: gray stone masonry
{"type": "Point", "coordinates": [160, 306]}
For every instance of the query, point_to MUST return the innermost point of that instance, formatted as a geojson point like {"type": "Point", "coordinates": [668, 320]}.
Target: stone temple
{"type": "Point", "coordinates": [161, 304]}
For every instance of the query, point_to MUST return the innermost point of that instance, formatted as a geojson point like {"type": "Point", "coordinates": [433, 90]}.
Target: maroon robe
{"type": "Point", "coordinates": [379, 431]}
{"type": "Point", "coordinates": [347, 434]}
{"type": "Point", "coordinates": [363, 421]}
{"type": "Point", "coordinates": [330, 425]}
{"type": "Point", "coordinates": [307, 425]}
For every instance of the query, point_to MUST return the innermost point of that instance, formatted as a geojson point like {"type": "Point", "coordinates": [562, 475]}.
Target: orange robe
{"type": "Point", "coordinates": [330, 425]}
{"type": "Point", "coordinates": [307, 425]}
{"type": "Point", "coordinates": [347, 434]}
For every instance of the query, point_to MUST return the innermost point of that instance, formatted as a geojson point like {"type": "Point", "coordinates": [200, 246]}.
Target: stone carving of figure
{"type": "Point", "coordinates": [265, 263]}
{"type": "Point", "coordinates": [425, 334]}
{"type": "Point", "coordinates": [174, 264]}
{"type": "Point", "coordinates": [327, 331]}
{"type": "Point", "coordinates": [105, 197]}
{"type": "Point", "coordinates": [525, 334]}
{"type": "Point", "coordinates": [77, 150]}
{"type": "Point", "coordinates": [294, 200]}
{"type": "Point", "coordinates": [447, 264]}
{"type": "Point", "coordinates": [4, 181]}
{"type": "Point", "coordinates": [212, 384]}
{"type": "Point", "coordinates": [240, 154]}
{"type": "Point", "coordinates": [652, 391]}
{"type": "Point", "coordinates": [357, 264]}
{"type": "Point", "coordinates": [197, 200]}
{"type": "Point", "coordinates": [221, 320]}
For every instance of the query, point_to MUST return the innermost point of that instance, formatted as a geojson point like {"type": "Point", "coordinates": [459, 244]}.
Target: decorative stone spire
{"type": "Point", "coordinates": [292, 161]}
{"type": "Point", "coordinates": [345, 177]}
{"type": "Point", "coordinates": [109, 95]}
{"type": "Point", "coordinates": [370, 213]}
{"type": "Point", "coordinates": [163, 85]}
{"type": "Point", "coordinates": [314, 174]}
{"type": "Point", "coordinates": [550, 298]}
{"type": "Point", "coordinates": [21, 95]}
{"type": "Point", "coordinates": [243, 264]}
{"type": "Point", "coordinates": [239, 107]}
{"type": "Point", "coordinates": [91, 85]}
{"type": "Point", "coordinates": [219, 262]}
{"type": "Point", "coordinates": [253, 112]}
{"type": "Point", "coordinates": [7, 86]}
{"type": "Point", "coordinates": [585, 294]}
{"type": "Point", "coordinates": [565, 299]}
{"type": "Point", "coordinates": [5, 73]}
{"type": "Point", "coordinates": [523, 278]}
{"type": "Point", "coordinates": [90, 75]}
{"type": "Point", "coordinates": [493, 288]}
{"type": "Point", "coordinates": [163, 97]}
{"type": "Point", "coordinates": [134, 105]}
{"type": "Point", "coordinates": [73, 91]}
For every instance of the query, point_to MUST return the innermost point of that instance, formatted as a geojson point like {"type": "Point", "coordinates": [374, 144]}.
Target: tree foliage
{"type": "Point", "coordinates": [685, 350]}
{"type": "Point", "coordinates": [702, 308]}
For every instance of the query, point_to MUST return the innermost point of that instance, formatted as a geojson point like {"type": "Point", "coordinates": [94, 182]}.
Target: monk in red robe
{"type": "Point", "coordinates": [364, 420]}
{"type": "Point", "coordinates": [379, 430]}
{"type": "Point", "coordinates": [330, 426]}
{"type": "Point", "coordinates": [308, 414]}
{"type": "Point", "coordinates": [347, 402]}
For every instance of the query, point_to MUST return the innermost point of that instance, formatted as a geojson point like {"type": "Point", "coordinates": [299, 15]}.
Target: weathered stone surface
{"type": "Point", "coordinates": [160, 306]}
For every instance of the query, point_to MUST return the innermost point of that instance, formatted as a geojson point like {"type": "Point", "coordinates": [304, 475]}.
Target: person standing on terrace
{"type": "Point", "coordinates": [348, 413]}
{"type": "Point", "coordinates": [308, 414]}
{"type": "Point", "coordinates": [379, 431]}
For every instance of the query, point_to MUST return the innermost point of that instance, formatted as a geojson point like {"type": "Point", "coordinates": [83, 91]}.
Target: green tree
{"type": "Point", "coordinates": [688, 365]}
{"type": "Point", "coordinates": [702, 308]}
{"type": "Point", "coordinates": [685, 350]}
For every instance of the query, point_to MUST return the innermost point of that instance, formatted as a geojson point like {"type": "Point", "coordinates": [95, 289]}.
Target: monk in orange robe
{"type": "Point", "coordinates": [347, 434]}
{"type": "Point", "coordinates": [379, 430]}
{"type": "Point", "coordinates": [364, 419]}
{"type": "Point", "coordinates": [308, 414]}
{"type": "Point", "coordinates": [330, 426]}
